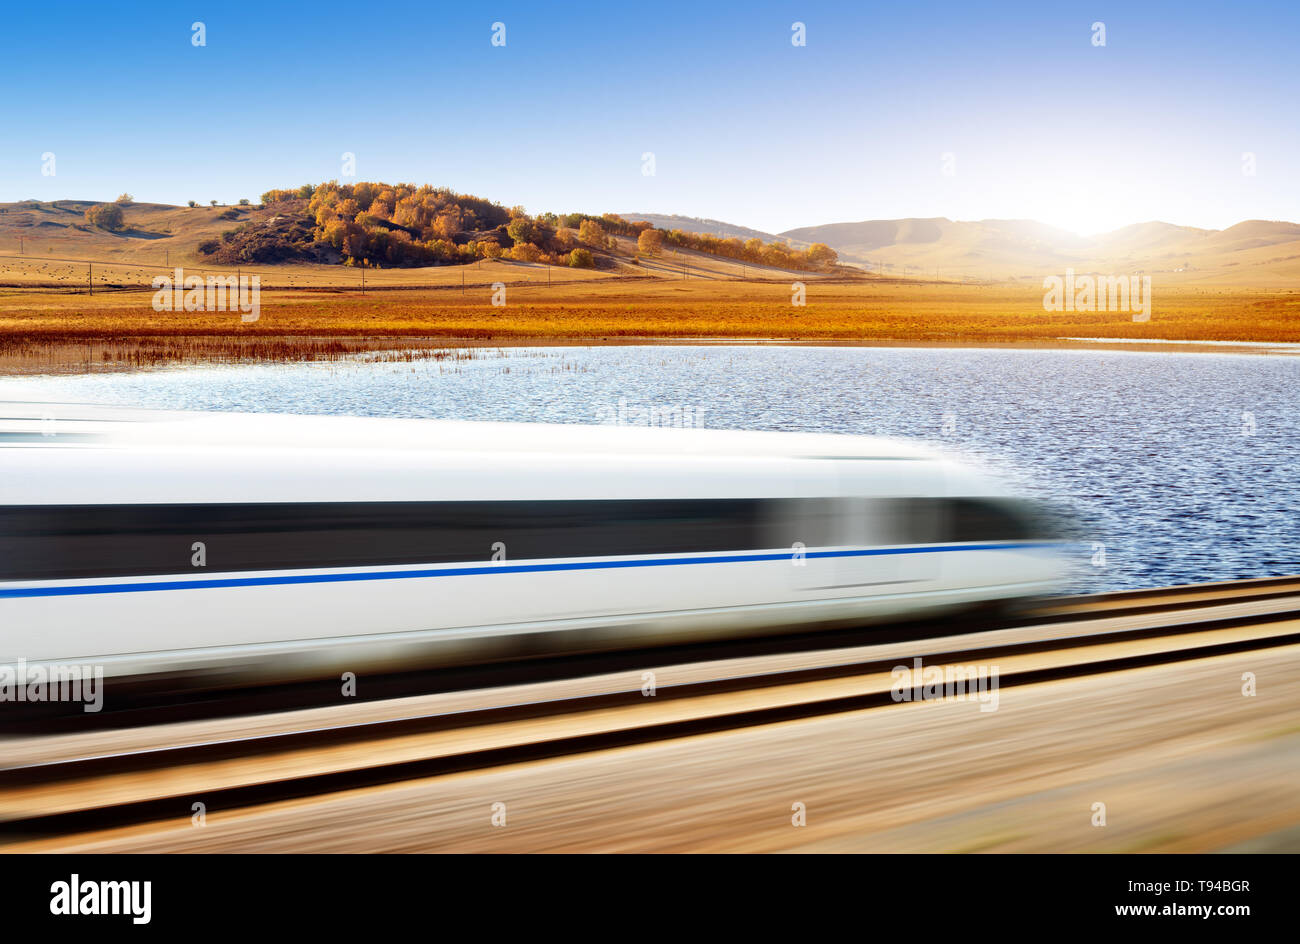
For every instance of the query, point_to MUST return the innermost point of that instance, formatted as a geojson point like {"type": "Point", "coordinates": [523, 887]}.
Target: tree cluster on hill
{"type": "Point", "coordinates": [400, 225]}
{"type": "Point", "coordinates": [595, 230]}
{"type": "Point", "coordinates": [777, 254]}
{"type": "Point", "coordinates": [405, 225]}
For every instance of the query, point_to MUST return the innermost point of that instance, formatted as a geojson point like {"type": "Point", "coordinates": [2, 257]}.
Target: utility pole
{"type": "Point", "coordinates": [363, 275]}
{"type": "Point", "coordinates": [462, 280]}
{"type": "Point", "coordinates": [90, 278]}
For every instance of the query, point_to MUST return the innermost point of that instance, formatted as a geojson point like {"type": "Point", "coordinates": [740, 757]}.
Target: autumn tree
{"type": "Point", "coordinates": [821, 254]}
{"type": "Point", "coordinates": [650, 242]}
{"type": "Point", "coordinates": [300, 193]}
{"type": "Point", "coordinates": [581, 259]}
{"type": "Point", "coordinates": [521, 229]}
{"type": "Point", "coordinates": [106, 216]}
{"type": "Point", "coordinates": [354, 243]}
{"type": "Point", "coordinates": [525, 252]}
{"type": "Point", "coordinates": [593, 234]}
{"type": "Point", "coordinates": [448, 222]}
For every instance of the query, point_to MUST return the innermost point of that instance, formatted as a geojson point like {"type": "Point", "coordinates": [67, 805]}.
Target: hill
{"type": "Point", "coordinates": [409, 227]}
{"type": "Point", "coordinates": [370, 224]}
{"type": "Point", "coordinates": [695, 224]}
{"type": "Point", "coordinates": [153, 232]}
{"type": "Point", "coordinates": [1258, 253]}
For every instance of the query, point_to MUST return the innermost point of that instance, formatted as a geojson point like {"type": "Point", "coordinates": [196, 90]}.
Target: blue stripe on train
{"type": "Point", "coordinates": [217, 583]}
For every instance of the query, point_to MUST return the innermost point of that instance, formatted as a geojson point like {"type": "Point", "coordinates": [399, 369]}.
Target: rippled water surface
{"type": "Point", "coordinates": [1185, 466]}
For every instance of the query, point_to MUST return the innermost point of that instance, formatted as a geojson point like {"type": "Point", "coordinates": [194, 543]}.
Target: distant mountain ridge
{"type": "Point", "coordinates": [695, 224]}
{"type": "Point", "coordinates": [1256, 251]}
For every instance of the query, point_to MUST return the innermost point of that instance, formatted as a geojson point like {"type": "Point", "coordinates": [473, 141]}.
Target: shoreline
{"type": "Point", "coordinates": [130, 355]}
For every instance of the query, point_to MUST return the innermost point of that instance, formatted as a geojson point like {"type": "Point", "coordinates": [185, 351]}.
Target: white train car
{"type": "Point", "coordinates": [228, 546]}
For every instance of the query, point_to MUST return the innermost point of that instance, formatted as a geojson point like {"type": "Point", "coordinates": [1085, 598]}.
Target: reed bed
{"type": "Point", "coordinates": [54, 355]}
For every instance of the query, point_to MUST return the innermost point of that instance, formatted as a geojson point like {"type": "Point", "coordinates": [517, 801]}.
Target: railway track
{"type": "Point", "coordinates": [65, 786]}
{"type": "Point", "coordinates": [1132, 602]}
{"type": "Point", "coordinates": [145, 708]}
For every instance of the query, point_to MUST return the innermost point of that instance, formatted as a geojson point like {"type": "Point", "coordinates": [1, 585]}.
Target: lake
{"type": "Point", "coordinates": [1184, 466]}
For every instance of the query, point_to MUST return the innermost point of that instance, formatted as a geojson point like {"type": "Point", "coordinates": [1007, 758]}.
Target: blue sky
{"type": "Point", "coordinates": [744, 126]}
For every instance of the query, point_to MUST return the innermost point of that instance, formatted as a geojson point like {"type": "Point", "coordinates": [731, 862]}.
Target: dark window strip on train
{"type": "Point", "coordinates": [39, 542]}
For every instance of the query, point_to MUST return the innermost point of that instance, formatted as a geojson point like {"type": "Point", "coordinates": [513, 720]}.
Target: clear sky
{"type": "Point", "coordinates": [744, 126]}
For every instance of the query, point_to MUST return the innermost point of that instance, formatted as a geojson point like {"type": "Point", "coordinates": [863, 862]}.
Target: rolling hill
{"type": "Point", "coordinates": [1255, 253]}
{"type": "Point", "coordinates": [1259, 253]}
{"type": "Point", "coordinates": [153, 231]}
{"type": "Point", "coordinates": [48, 244]}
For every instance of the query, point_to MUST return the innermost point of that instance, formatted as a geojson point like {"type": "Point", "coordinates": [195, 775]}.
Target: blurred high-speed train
{"type": "Point", "coordinates": [249, 546]}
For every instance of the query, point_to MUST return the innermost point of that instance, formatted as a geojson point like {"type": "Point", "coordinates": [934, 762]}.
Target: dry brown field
{"type": "Point", "coordinates": [47, 318]}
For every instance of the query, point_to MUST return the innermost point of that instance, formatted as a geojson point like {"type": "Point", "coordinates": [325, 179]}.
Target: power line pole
{"type": "Point", "coordinates": [90, 278]}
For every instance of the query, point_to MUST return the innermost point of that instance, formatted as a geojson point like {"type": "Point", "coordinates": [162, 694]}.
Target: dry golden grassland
{"type": "Point", "coordinates": [38, 324]}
